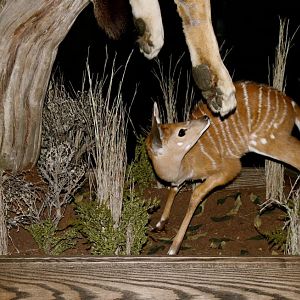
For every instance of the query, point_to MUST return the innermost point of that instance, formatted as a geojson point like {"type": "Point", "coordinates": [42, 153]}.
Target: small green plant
{"type": "Point", "coordinates": [51, 240]}
{"type": "Point", "coordinates": [96, 224]}
{"type": "Point", "coordinates": [287, 238]}
{"type": "Point", "coordinates": [135, 218]}
{"type": "Point", "coordinates": [140, 169]}
{"type": "Point", "coordinates": [277, 239]}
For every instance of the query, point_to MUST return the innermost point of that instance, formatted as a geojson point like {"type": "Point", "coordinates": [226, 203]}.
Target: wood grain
{"type": "Point", "coordinates": [150, 278]}
{"type": "Point", "coordinates": [249, 178]}
{"type": "Point", "coordinates": [30, 31]}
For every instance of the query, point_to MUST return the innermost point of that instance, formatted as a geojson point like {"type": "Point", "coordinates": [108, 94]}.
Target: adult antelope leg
{"type": "Point", "coordinates": [166, 213]}
{"type": "Point", "coordinates": [229, 171]}
{"type": "Point", "coordinates": [147, 19]}
{"type": "Point", "coordinates": [209, 72]}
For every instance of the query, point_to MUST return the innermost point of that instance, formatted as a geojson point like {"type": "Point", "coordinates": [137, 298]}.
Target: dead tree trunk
{"type": "Point", "coordinates": [30, 32]}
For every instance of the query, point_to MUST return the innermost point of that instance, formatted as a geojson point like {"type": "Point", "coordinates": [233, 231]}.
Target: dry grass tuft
{"type": "Point", "coordinates": [275, 171]}
{"type": "Point", "coordinates": [170, 82]}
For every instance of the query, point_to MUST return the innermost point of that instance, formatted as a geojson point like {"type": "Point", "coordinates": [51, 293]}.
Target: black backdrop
{"type": "Point", "coordinates": [248, 28]}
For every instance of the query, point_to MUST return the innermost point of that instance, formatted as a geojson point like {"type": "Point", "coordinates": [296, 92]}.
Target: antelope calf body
{"type": "Point", "coordinates": [210, 149]}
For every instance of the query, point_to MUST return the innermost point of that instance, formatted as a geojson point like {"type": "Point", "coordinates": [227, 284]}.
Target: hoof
{"type": "Point", "coordinates": [172, 251]}
{"type": "Point", "coordinates": [218, 102]}
{"type": "Point", "coordinates": [214, 99]}
{"type": "Point", "coordinates": [159, 226]}
{"type": "Point", "coordinates": [219, 93]}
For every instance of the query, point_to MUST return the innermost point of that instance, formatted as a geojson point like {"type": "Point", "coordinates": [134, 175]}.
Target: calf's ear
{"type": "Point", "coordinates": [157, 134]}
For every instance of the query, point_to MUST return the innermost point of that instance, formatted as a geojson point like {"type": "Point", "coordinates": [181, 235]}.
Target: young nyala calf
{"type": "Point", "coordinates": [208, 148]}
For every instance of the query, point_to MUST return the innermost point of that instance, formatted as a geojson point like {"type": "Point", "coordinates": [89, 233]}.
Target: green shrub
{"type": "Point", "coordinates": [96, 224]}
{"type": "Point", "coordinates": [140, 169]}
{"type": "Point", "coordinates": [135, 217]}
{"type": "Point", "coordinates": [51, 240]}
{"type": "Point", "coordinates": [277, 238]}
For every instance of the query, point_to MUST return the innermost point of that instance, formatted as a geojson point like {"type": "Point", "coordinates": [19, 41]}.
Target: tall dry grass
{"type": "Point", "coordinates": [170, 81]}
{"type": "Point", "coordinates": [109, 131]}
{"type": "Point", "coordinates": [275, 171]}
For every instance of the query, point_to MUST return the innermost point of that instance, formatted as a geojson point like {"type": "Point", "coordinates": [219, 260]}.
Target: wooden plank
{"type": "Point", "coordinates": [150, 278]}
{"type": "Point", "coordinates": [249, 178]}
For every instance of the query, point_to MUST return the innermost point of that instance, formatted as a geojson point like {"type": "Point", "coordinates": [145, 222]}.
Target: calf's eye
{"type": "Point", "coordinates": [181, 132]}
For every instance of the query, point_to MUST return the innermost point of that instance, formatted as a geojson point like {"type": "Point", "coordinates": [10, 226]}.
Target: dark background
{"type": "Point", "coordinates": [249, 28]}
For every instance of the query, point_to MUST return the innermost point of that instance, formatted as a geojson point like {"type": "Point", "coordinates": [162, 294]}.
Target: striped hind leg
{"type": "Point", "coordinates": [284, 148]}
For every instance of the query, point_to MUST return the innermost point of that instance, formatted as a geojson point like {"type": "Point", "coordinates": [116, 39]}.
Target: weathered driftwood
{"type": "Point", "coordinates": [150, 278]}
{"type": "Point", "coordinates": [30, 32]}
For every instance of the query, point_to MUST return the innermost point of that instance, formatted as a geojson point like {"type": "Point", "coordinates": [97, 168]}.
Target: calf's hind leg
{"type": "Point", "coordinates": [285, 149]}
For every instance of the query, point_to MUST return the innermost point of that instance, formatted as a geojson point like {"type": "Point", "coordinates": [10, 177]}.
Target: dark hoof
{"type": "Point", "coordinates": [202, 77]}
{"type": "Point", "coordinates": [214, 99]}
{"type": "Point", "coordinates": [159, 226]}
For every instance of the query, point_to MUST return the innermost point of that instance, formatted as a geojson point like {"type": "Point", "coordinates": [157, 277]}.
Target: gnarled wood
{"type": "Point", "coordinates": [150, 278]}
{"type": "Point", "coordinates": [30, 32]}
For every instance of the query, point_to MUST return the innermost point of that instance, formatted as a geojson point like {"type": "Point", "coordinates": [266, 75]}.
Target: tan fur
{"type": "Point", "coordinates": [112, 16]}
{"type": "Point", "coordinates": [262, 123]}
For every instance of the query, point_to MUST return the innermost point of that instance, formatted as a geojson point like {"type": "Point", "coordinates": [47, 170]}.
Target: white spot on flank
{"type": "Point", "coordinates": [252, 142]}
{"type": "Point", "coordinates": [263, 141]}
{"type": "Point", "coordinates": [275, 125]}
{"type": "Point", "coordinates": [253, 136]}
{"type": "Point", "coordinates": [272, 136]}
{"type": "Point", "coordinates": [179, 144]}
{"type": "Point", "coordinates": [276, 114]}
